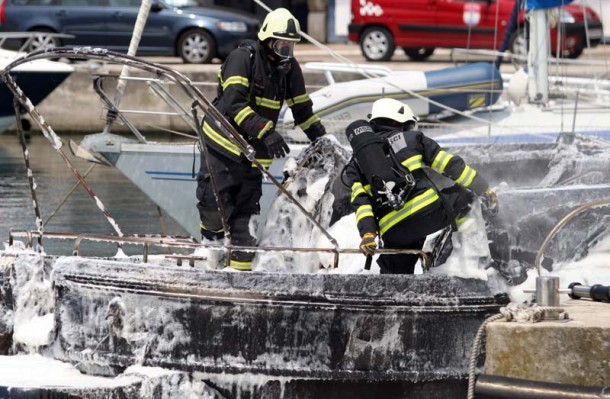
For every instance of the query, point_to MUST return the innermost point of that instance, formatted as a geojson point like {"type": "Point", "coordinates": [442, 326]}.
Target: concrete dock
{"type": "Point", "coordinates": [575, 351]}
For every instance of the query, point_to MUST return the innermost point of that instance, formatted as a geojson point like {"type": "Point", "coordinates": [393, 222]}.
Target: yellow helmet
{"type": "Point", "coordinates": [280, 24]}
{"type": "Point", "coordinates": [390, 108]}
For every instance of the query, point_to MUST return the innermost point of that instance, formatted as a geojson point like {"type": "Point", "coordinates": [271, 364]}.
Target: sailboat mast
{"type": "Point", "coordinates": [537, 60]}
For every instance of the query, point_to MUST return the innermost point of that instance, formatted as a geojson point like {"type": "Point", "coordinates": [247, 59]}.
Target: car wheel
{"type": "Point", "coordinates": [418, 54]}
{"type": "Point", "coordinates": [42, 42]}
{"type": "Point", "coordinates": [196, 46]}
{"type": "Point", "coordinates": [377, 44]}
{"type": "Point", "coordinates": [574, 53]}
{"type": "Point", "coordinates": [519, 46]}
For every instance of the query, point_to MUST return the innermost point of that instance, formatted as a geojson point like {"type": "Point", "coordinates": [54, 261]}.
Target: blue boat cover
{"type": "Point", "coordinates": [542, 4]}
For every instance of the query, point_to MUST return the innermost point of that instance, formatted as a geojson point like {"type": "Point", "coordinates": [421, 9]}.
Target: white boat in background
{"type": "Point", "coordinates": [472, 103]}
{"type": "Point", "coordinates": [430, 94]}
{"type": "Point", "coordinates": [37, 79]}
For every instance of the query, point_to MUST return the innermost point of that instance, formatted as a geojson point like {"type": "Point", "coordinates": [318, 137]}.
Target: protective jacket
{"type": "Point", "coordinates": [431, 204]}
{"type": "Point", "coordinates": [250, 95]}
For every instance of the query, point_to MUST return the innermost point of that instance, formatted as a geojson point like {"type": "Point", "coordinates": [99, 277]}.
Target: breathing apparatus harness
{"type": "Point", "coordinates": [252, 47]}
{"type": "Point", "coordinates": [390, 185]}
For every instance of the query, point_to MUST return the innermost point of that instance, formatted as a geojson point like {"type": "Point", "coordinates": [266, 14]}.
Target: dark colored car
{"type": "Point", "coordinates": [173, 28]}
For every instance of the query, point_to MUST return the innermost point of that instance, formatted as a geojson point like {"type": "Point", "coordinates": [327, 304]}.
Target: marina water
{"type": "Point", "coordinates": [132, 210]}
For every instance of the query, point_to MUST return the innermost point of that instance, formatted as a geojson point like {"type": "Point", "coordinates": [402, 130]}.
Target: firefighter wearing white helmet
{"type": "Point", "coordinates": [389, 109]}
{"type": "Point", "coordinates": [404, 186]}
{"type": "Point", "coordinates": [253, 83]}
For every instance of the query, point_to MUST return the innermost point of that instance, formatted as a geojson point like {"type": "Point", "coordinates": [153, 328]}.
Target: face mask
{"type": "Point", "coordinates": [283, 48]}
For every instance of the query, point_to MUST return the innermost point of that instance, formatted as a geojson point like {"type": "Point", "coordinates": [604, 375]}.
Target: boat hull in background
{"type": "Point", "coordinates": [463, 88]}
{"type": "Point", "coordinates": [37, 79]}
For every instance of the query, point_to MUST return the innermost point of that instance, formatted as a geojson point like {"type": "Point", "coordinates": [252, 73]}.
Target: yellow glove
{"type": "Point", "coordinates": [368, 244]}
{"type": "Point", "coordinates": [489, 202]}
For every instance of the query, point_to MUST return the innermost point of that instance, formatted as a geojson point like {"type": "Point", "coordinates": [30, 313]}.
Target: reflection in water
{"type": "Point", "coordinates": [132, 210]}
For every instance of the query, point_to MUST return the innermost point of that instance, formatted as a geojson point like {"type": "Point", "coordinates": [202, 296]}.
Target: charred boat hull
{"type": "Point", "coordinates": [538, 184]}
{"type": "Point", "coordinates": [344, 334]}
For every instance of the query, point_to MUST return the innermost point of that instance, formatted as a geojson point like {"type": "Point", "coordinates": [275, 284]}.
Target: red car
{"type": "Point", "coordinates": [419, 26]}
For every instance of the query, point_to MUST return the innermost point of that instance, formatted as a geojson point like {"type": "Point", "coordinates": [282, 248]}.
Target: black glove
{"type": "Point", "coordinates": [368, 244]}
{"type": "Point", "coordinates": [315, 131]}
{"type": "Point", "coordinates": [276, 145]}
{"type": "Point", "coordinates": [489, 202]}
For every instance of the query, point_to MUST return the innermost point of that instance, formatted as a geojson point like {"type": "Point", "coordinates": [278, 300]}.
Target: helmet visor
{"type": "Point", "coordinates": [284, 48]}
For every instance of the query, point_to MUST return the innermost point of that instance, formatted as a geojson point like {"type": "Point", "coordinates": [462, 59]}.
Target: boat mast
{"type": "Point", "coordinates": [537, 60]}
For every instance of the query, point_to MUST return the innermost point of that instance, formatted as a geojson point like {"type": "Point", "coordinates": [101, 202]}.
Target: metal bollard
{"type": "Point", "coordinates": [547, 294]}
{"type": "Point", "coordinates": [547, 291]}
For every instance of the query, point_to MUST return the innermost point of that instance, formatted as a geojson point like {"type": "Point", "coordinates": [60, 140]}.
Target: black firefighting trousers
{"type": "Point", "coordinates": [411, 233]}
{"type": "Point", "coordinates": [239, 187]}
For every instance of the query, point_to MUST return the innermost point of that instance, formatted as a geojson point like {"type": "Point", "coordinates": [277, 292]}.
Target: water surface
{"type": "Point", "coordinates": [132, 210]}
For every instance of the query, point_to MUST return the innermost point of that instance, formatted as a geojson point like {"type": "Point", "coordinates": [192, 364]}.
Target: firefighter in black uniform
{"type": "Point", "coordinates": [404, 185]}
{"type": "Point", "coordinates": [253, 83]}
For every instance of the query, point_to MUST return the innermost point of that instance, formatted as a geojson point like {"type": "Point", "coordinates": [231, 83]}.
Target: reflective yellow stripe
{"type": "Point", "coordinates": [263, 161]}
{"type": "Point", "coordinates": [241, 266]}
{"type": "Point", "coordinates": [220, 139]}
{"type": "Point", "coordinates": [364, 211]}
{"type": "Point", "coordinates": [459, 221]}
{"type": "Point", "coordinates": [413, 163]}
{"type": "Point", "coordinates": [268, 126]}
{"type": "Point", "coordinates": [243, 114]}
{"type": "Point", "coordinates": [235, 80]}
{"type": "Point", "coordinates": [297, 100]}
{"type": "Point", "coordinates": [467, 176]}
{"type": "Point", "coordinates": [416, 204]}
{"type": "Point", "coordinates": [307, 124]}
{"type": "Point", "coordinates": [441, 160]}
{"type": "Point", "coordinates": [357, 189]}
{"type": "Point", "coordinates": [267, 102]}
{"type": "Point", "coordinates": [202, 226]}
{"type": "Point", "coordinates": [367, 188]}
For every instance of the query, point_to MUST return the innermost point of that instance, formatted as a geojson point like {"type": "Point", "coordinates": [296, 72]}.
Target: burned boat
{"type": "Point", "coordinates": [261, 334]}
{"type": "Point", "coordinates": [310, 334]}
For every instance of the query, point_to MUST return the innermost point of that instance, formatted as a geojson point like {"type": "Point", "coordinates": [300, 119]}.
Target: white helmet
{"type": "Point", "coordinates": [390, 108]}
{"type": "Point", "coordinates": [280, 24]}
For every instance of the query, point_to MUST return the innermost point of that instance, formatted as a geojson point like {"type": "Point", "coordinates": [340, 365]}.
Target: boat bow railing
{"type": "Point", "coordinates": [182, 242]}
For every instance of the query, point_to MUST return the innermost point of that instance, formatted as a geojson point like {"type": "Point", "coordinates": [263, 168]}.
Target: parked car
{"type": "Point", "coordinates": [602, 8]}
{"type": "Point", "coordinates": [419, 26]}
{"type": "Point", "coordinates": [173, 28]}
